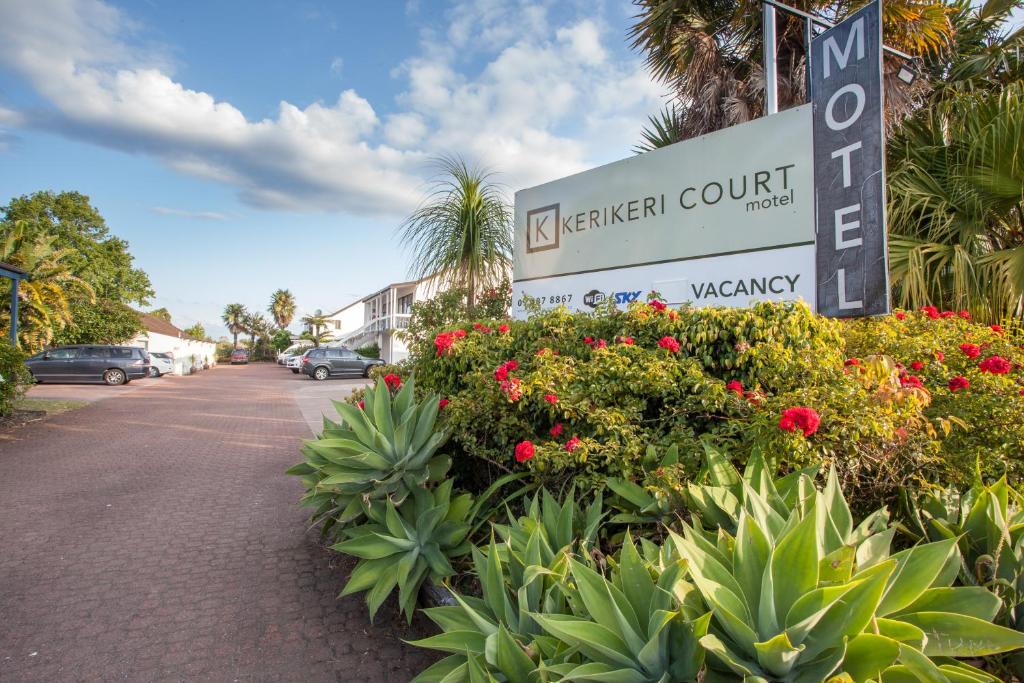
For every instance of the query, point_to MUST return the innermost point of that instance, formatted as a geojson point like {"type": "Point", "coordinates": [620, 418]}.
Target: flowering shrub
{"type": "Point", "coordinates": [973, 376]}
{"type": "Point", "coordinates": [590, 408]}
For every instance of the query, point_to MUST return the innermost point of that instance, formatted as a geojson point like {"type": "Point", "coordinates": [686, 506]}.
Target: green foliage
{"type": "Point", "coordinates": [979, 424]}
{"type": "Point", "coordinates": [281, 340]}
{"type": "Point", "coordinates": [14, 376]}
{"type": "Point", "coordinates": [282, 307]}
{"type": "Point", "coordinates": [234, 316]}
{"type": "Point", "coordinates": [450, 307]}
{"type": "Point", "coordinates": [405, 545]}
{"type": "Point", "coordinates": [384, 451]}
{"type": "Point", "coordinates": [196, 331]}
{"type": "Point", "coordinates": [369, 351]}
{"type": "Point", "coordinates": [802, 597]}
{"type": "Point", "coordinates": [161, 313]}
{"type": "Point", "coordinates": [101, 260]}
{"type": "Point", "coordinates": [102, 322]}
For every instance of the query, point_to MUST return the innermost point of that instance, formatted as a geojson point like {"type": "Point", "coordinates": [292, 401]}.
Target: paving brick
{"type": "Point", "coordinates": [154, 536]}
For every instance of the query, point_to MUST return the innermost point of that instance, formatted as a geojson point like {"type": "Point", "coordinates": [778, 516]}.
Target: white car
{"type": "Point", "coordinates": [293, 350]}
{"type": "Point", "coordinates": [160, 364]}
{"type": "Point", "coordinates": [294, 363]}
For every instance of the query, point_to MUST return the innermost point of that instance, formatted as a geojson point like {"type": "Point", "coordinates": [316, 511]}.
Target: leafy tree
{"type": "Point", "coordinates": [161, 313]}
{"type": "Point", "coordinates": [44, 298]}
{"type": "Point", "coordinates": [94, 255]}
{"type": "Point", "coordinates": [463, 233]}
{"type": "Point", "coordinates": [234, 317]}
{"type": "Point", "coordinates": [102, 322]}
{"type": "Point", "coordinates": [282, 307]}
{"type": "Point", "coordinates": [281, 340]}
{"type": "Point", "coordinates": [315, 331]}
{"type": "Point", "coordinates": [196, 331]}
{"type": "Point", "coordinates": [709, 52]}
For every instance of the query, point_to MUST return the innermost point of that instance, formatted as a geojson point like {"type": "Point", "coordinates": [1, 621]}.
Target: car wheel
{"type": "Point", "coordinates": [153, 372]}
{"type": "Point", "coordinates": [114, 377]}
{"type": "Point", "coordinates": [320, 373]}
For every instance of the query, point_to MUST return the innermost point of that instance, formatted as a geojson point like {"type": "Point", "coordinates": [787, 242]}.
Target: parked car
{"type": "Point", "coordinates": [89, 363]}
{"type": "Point", "coordinates": [337, 362]}
{"type": "Point", "coordinates": [294, 363]}
{"type": "Point", "coordinates": [240, 357]}
{"type": "Point", "coordinates": [160, 363]}
{"type": "Point", "coordinates": [293, 351]}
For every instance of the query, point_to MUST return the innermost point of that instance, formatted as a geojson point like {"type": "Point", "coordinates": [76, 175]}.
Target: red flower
{"type": "Point", "coordinates": [931, 312]}
{"type": "Point", "coordinates": [997, 365]}
{"type": "Point", "coordinates": [755, 397]}
{"type": "Point", "coordinates": [966, 315]}
{"type": "Point", "coordinates": [459, 333]}
{"type": "Point", "coordinates": [971, 350]}
{"type": "Point", "coordinates": [851, 361]}
{"type": "Point", "coordinates": [503, 328]}
{"type": "Point", "coordinates": [628, 341]}
{"type": "Point", "coordinates": [998, 329]}
{"type": "Point", "coordinates": [669, 343]}
{"type": "Point", "coordinates": [362, 405]}
{"type": "Point", "coordinates": [442, 403]}
{"type": "Point", "coordinates": [556, 431]}
{"type": "Point", "coordinates": [572, 444]}
{"type": "Point", "coordinates": [957, 383]}
{"type": "Point", "coordinates": [524, 451]}
{"type": "Point", "coordinates": [916, 365]}
{"type": "Point", "coordinates": [947, 314]}
{"type": "Point", "coordinates": [588, 340]}
{"type": "Point", "coordinates": [600, 344]}
{"type": "Point", "coordinates": [911, 381]}
{"type": "Point", "coordinates": [481, 328]}
{"type": "Point", "coordinates": [1021, 392]}
{"type": "Point", "coordinates": [393, 381]}
{"type": "Point", "coordinates": [657, 305]}
{"type": "Point", "coordinates": [900, 315]}
{"type": "Point", "coordinates": [901, 434]}
{"type": "Point", "coordinates": [940, 356]}
{"type": "Point", "coordinates": [512, 365]}
{"type": "Point", "coordinates": [501, 374]}
{"type": "Point", "coordinates": [512, 388]}
{"type": "Point", "coordinates": [444, 342]}
{"type": "Point", "coordinates": [551, 398]}
{"type": "Point", "coordinates": [735, 386]}
{"type": "Point", "coordinates": [800, 418]}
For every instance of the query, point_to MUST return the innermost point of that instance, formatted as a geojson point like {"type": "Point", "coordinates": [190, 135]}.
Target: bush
{"type": "Point", "coordinates": [590, 393]}
{"type": "Point", "coordinates": [14, 376]}
{"type": "Point", "coordinates": [369, 351]}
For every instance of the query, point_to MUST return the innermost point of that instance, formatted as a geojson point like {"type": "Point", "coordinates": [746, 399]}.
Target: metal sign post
{"type": "Point", "coordinates": [771, 67]}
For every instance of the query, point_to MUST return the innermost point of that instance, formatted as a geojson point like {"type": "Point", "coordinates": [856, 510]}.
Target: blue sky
{"type": "Point", "coordinates": [246, 146]}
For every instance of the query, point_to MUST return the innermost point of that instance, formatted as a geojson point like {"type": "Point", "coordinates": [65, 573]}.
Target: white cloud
{"type": "Point", "coordinates": [337, 66]}
{"type": "Point", "coordinates": [544, 100]}
{"type": "Point", "coordinates": [184, 213]}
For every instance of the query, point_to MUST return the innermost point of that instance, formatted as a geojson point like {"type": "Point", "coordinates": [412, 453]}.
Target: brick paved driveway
{"type": "Point", "coordinates": [153, 536]}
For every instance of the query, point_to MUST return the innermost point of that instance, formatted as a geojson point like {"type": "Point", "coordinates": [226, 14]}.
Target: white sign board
{"type": "Point", "coordinates": [723, 219]}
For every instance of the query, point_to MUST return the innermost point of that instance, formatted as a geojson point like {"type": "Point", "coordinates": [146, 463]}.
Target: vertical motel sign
{"type": "Point", "coordinates": [849, 167]}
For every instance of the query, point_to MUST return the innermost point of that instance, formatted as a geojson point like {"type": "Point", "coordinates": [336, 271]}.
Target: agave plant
{"type": "Point", "coordinates": [792, 602]}
{"type": "Point", "coordinates": [639, 505]}
{"type": "Point", "coordinates": [405, 546]}
{"type": "Point", "coordinates": [382, 451]}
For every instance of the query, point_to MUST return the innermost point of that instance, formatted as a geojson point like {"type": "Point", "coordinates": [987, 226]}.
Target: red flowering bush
{"type": "Point", "coordinates": [800, 418]}
{"type": "Point", "coordinates": [997, 365]}
{"type": "Point", "coordinates": [669, 343]}
{"type": "Point", "coordinates": [971, 350]}
{"type": "Point", "coordinates": [393, 381]}
{"type": "Point", "coordinates": [958, 383]}
{"type": "Point", "coordinates": [735, 386]}
{"type": "Point", "coordinates": [524, 451]}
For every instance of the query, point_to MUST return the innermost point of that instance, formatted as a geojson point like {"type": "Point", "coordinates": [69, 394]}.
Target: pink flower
{"type": "Point", "coordinates": [800, 418]}
{"type": "Point", "coordinates": [669, 343]}
{"type": "Point", "coordinates": [572, 444]}
{"type": "Point", "coordinates": [442, 403]}
{"type": "Point", "coordinates": [735, 386]}
{"type": "Point", "coordinates": [971, 350]}
{"type": "Point", "coordinates": [957, 383]}
{"type": "Point", "coordinates": [393, 381]}
{"type": "Point", "coordinates": [512, 388]}
{"type": "Point", "coordinates": [524, 451]}
{"type": "Point", "coordinates": [997, 365]}
{"type": "Point", "coordinates": [503, 328]}
{"type": "Point", "coordinates": [551, 398]}
{"type": "Point", "coordinates": [556, 431]}
{"type": "Point", "coordinates": [916, 365]}
{"type": "Point", "coordinates": [940, 356]}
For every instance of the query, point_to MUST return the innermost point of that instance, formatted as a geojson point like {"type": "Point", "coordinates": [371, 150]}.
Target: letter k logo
{"type": "Point", "coordinates": [542, 228]}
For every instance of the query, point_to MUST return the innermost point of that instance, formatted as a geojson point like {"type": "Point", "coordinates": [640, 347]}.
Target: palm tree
{"type": "Point", "coordinates": [313, 332]}
{"type": "Point", "coordinates": [43, 298]}
{"type": "Point", "coordinates": [282, 307]}
{"type": "Point", "coordinates": [463, 233]}
{"type": "Point", "coordinates": [234, 317]}
{"type": "Point", "coordinates": [708, 52]}
{"type": "Point", "coordinates": [957, 200]}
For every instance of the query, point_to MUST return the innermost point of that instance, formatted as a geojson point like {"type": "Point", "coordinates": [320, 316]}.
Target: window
{"type": "Point", "coordinates": [62, 354]}
{"type": "Point", "coordinates": [345, 353]}
{"type": "Point", "coordinates": [334, 353]}
{"type": "Point", "coordinates": [405, 304]}
{"type": "Point", "coordinates": [337, 324]}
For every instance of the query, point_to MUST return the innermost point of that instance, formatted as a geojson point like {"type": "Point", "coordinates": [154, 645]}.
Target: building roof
{"type": "Point", "coordinates": [12, 269]}
{"type": "Point", "coordinates": [161, 326]}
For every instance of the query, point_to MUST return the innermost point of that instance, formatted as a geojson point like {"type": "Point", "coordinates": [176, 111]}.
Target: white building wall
{"type": "Point", "coordinates": [186, 352]}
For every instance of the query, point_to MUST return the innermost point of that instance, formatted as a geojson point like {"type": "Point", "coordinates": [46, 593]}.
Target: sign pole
{"type": "Point", "coordinates": [771, 96]}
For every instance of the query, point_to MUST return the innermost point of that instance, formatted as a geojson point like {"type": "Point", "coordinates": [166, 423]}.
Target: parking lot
{"type": "Point", "coordinates": [152, 535]}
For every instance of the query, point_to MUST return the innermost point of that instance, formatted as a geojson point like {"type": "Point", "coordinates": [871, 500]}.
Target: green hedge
{"type": "Point", "coordinates": [14, 374]}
